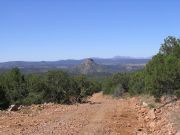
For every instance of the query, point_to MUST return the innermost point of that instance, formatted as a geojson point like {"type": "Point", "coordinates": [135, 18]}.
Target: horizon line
{"type": "Point", "coordinates": [115, 57]}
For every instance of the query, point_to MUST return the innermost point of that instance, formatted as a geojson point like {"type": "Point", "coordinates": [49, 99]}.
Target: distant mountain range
{"type": "Point", "coordinates": [84, 66]}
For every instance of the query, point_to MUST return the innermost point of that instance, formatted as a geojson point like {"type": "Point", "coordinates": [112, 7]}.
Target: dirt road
{"type": "Point", "coordinates": [102, 116]}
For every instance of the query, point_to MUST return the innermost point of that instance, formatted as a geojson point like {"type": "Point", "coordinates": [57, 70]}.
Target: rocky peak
{"type": "Point", "coordinates": [88, 66]}
{"type": "Point", "coordinates": [88, 61]}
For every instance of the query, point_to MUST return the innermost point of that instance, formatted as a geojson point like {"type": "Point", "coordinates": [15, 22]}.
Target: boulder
{"type": "Point", "coordinates": [14, 108]}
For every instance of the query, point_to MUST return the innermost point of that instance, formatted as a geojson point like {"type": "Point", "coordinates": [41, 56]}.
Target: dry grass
{"type": "Point", "coordinates": [150, 100]}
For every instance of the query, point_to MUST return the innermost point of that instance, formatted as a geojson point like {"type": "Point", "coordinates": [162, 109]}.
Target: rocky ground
{"type": "Point", "coordinates": [103, 115]}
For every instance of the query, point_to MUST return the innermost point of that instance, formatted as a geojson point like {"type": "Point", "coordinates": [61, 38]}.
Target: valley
{"type": "Point", "coordinates": [98, 65]}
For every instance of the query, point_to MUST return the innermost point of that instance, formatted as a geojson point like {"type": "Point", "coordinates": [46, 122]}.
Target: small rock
{"type": "Point", "coordinates": [145, 104]}
{"type": "Point", "coordinates": [151, 114]}
{"type": "Point", "coordinates": [143, 110]}
{"type": "Point", "coordinates": [163, 99]}
{"type": "Point", "coordinates": [158, 111]}
{"type": "Point", "coordinates": [152, 125]}
{"type": "Point", "coordinates": [20, 107]}
{"type": "Point", "coordinates": [128, 125]}
{"type": "Point", "coordinates": [146, 118]}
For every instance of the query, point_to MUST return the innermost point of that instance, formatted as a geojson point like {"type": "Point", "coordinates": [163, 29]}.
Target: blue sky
{"type": "Point", "coordinates": [36, 30]}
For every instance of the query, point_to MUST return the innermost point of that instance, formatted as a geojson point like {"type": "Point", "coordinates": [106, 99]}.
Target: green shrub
{"type": "Point", "coordinates": [14, 85]}
{"type": "Point", "coordinates": [177, 93]}
{"type": "Point", "coordinates": [4, 103]}
{"type": "Point", "coordinates": [163, 71]}
{"type": "Point", "coordinates": [161, 75]}
{"type": "Point", "coordinates": [54, 86]}
{"type": "Point", "coordinates": [112, 84]}
{"type": "Point", "coordinates": [137, 83]}
{"type": "Point", "coordinates": [119, 91]}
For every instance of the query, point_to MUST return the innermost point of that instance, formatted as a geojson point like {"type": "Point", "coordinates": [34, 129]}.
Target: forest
{"type": "Point", "coordinates": [53, 86]}
{"type": "Point", "coordinates": [161, 76]}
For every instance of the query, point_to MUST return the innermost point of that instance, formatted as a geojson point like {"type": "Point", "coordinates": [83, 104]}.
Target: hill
{"type": "Point", "coordinates": [89, 67]}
